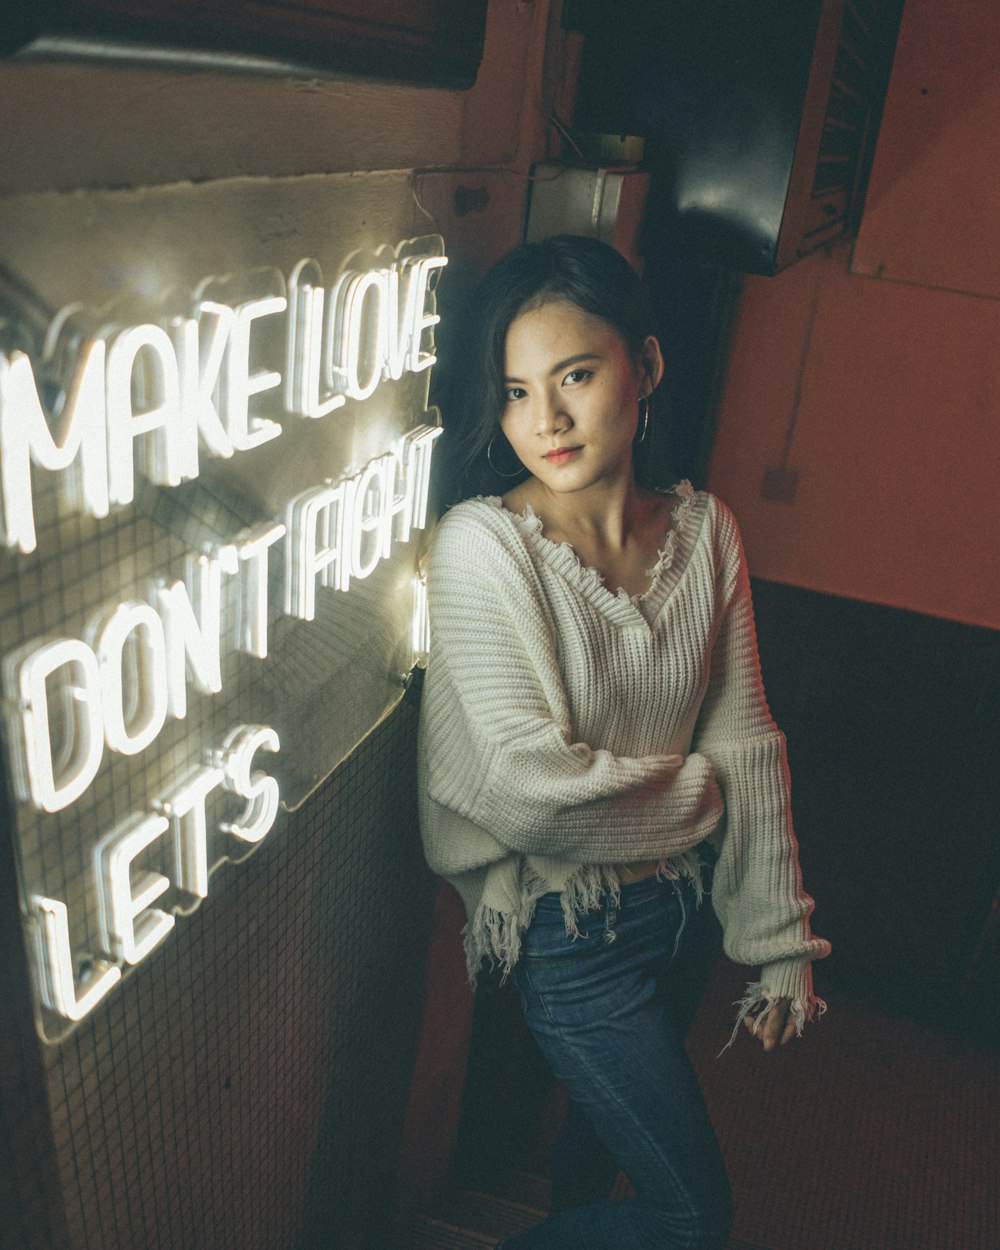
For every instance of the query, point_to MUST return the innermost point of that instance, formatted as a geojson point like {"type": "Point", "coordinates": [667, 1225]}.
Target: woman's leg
{"type": "Point", "coordinates": [582, 1170]}
{"type": "Point", "coordinates": [595, 1006]}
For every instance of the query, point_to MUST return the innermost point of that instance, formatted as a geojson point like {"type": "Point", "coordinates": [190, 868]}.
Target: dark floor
{"type": "Point", "coordinates": [872, 1132]}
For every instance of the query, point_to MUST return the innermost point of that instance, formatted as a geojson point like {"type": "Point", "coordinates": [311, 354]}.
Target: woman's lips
{"type": "Point", "coordinates": [561, 454]}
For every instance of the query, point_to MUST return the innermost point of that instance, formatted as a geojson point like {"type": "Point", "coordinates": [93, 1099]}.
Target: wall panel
{"type": "Point", "coordinates": [882, 398]}
{"type": "Point", "coordinates": [262, 1057]}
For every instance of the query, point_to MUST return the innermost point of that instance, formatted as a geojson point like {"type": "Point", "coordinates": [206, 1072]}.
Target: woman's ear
{"type": "Point", "coordinates": [651, 367]}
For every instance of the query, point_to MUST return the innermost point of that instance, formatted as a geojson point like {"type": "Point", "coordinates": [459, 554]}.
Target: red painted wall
{"type": "Point", "coordinates": [874, 372]}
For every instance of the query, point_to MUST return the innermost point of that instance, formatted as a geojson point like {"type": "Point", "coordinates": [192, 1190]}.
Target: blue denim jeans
{"type": "Point", "coordinates": [599, 1009]}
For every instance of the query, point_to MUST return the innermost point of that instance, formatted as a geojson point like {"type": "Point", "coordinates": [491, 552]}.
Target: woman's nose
{"type": "Point", "coordinates": [551, 416]}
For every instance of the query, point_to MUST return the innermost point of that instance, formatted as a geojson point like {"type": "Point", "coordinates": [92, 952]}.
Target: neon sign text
{"type": "Point", "coordinates": [130, 926]}
{"type": "Point", "coordinates": [156, 395]}
{"type": "Point", "coordinates": [174, 638]}
{"type": "Point", "coordinates": [154, 400]}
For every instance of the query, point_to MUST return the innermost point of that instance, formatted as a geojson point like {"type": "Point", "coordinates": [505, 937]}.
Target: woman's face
{"type": "Point", "coordinates": [572, 390]}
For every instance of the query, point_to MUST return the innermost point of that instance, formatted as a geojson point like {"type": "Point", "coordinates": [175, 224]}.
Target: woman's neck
{"type": "Point", "coordinates": [618, 533]}
{"type": "Point", "coordinates": [606, 513]}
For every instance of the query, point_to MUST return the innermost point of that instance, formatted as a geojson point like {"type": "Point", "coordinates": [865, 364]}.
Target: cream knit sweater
{"type": "Point", "coordinates": [565, 728]}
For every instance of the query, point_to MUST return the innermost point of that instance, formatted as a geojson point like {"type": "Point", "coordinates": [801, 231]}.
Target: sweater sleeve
{"type": "Point", "coordinates": [757, 889]}
{"type": "Point", "coordinates": [496, 730]}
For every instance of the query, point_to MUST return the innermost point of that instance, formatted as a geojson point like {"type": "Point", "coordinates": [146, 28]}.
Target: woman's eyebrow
{"type": "Point", "coordinates": [562, 364]}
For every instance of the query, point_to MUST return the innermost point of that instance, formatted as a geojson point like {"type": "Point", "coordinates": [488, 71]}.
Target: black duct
{"type": "Point", "coordinates": [759, 117]}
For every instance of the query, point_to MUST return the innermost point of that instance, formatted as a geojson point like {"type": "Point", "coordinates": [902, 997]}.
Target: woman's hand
{"type": "Point", "coordinates": [776, 1027]}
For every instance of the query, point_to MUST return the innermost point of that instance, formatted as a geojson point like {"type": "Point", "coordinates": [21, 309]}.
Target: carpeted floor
{"type": "Point", "coordinates": [872, 1132]}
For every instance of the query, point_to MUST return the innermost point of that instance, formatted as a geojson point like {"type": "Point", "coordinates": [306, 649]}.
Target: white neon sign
{"type": "Point", "coordinates": [25, 438]}
{"type": "Point", "coordinates": [341, 530]}
{"type": "Point", "coordinates": [117, 685]}
{"type": "Point", "coordinates": [50, 784]}
{"type": "Point", "coordinates": [54, 960]}
{"type": "Point", "coordinates": [184, 808]}
{"type": "Point", "coordinates": [131, 927]}
{"type": "Point", "coordinates": [152, 400]}
{"type": "Point", "coordinates": [375, 321]}
{"type": "Point", "coordinates": [134, 711]}
{"type": "Point", "coordinates": [260, 790]}
{"type": "Point", "coordinates": [240, 384]}
{"type": "Point", "coordinates": [155, 398]}
{"type": "Point", "coordinates": [192, 623]}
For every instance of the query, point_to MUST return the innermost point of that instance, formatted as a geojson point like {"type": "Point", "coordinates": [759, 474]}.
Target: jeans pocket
{"type": "Point", "coordinates": [546, 940]}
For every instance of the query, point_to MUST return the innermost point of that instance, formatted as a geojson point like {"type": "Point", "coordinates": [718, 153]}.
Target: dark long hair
{"type": "Point", "coordinates": [582, 271]}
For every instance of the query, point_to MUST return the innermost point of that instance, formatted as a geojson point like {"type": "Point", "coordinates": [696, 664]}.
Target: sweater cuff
{"type": "Point", "coordinates": [788, 978]}
{"type": "Point", "coordinates": [784, 978]}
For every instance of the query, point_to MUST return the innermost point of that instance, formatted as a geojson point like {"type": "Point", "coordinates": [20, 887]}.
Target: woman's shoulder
{"type": "Point", "coordinates": [482, 514]}
{"type": "Point", "coordinates": [716, 517]}
{"type": "Point", "coordinates": [475, 505]}
{"type": "Point", "coordinates": [474, 529]}
{"type": "Point", "coordinates": [705, 528]}
{"type": "Point", "coordinates": [698, 513]}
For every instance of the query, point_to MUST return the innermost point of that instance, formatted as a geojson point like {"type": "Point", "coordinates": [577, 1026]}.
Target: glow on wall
{"type": "Point", "coordinates": [184, 700]}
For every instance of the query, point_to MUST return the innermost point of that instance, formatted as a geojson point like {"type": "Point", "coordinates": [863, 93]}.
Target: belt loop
{"type": "Point", "coordinates": [610, 916]}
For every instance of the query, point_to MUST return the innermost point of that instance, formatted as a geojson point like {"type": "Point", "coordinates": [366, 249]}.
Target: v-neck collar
{"type": "Point", "coordinates": [619, 606]}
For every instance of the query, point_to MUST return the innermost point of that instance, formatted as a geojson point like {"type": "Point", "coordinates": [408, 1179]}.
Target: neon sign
{"type": "Point", "coordinates": [156, 401]}
{"type": "Point", "coordinates": [196, 383]}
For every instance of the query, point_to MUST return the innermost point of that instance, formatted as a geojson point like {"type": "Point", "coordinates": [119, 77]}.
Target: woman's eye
{"type": "Point", "coordinates": [577, 375]}
{"type": "Point", "coordinates": [513, 393]}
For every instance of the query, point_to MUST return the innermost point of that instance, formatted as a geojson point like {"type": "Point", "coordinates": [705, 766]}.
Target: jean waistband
{"type": "Point", "coordinates": [630, 893]}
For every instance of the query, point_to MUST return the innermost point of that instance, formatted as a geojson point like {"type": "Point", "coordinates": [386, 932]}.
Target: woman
{"type": "Point", "coordinates": [594, 736]}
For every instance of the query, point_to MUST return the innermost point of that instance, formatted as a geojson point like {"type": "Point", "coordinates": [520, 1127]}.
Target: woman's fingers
{"type": "Point", "coordinates": [776, 1028]}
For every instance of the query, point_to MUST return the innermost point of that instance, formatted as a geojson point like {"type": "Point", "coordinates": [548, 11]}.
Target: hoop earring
{"type": "Point", "coordinates": [645, 407]}
{"type": "Point", "coordinates": [499, 472]}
